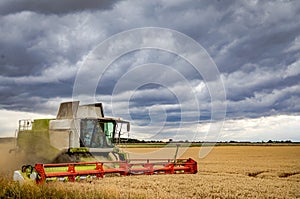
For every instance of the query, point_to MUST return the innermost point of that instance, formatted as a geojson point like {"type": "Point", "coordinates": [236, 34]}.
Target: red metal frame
{"type": "Point", "coordinates": [124, 168]}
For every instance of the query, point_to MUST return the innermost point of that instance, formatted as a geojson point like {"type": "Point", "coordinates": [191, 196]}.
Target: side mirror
{"type": "Point", "coordinates": [128, 127]}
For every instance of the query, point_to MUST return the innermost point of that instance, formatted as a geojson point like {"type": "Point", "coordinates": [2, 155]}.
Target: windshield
{"type": "Point", "coordinates": [96, 133]}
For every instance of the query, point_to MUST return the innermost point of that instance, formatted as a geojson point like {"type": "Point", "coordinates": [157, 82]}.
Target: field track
{"type": "Point", "coordinates": [226, 172]}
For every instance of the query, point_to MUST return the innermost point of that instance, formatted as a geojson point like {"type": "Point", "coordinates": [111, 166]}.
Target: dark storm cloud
{"type": "Point", "coordinates": [43, 43]}
{"type": "Point", "coordinates": [31, 43]}
{"type": "Point", "coordinates": [54, 6]}
{"type": "Point", "coordinates": [145, 56]}
{"type": "Point", "coordinates": [29, 97]}
{"type": "Point", "coordinates": [251, 50]}
{"type": "Point", "coordinates": [261, 47]}
{"type": "Point", "coordinates": [253, 33]}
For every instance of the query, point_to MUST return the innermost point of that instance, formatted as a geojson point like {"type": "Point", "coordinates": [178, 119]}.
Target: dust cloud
{"type": "Point", "coordinates": [9, 161]}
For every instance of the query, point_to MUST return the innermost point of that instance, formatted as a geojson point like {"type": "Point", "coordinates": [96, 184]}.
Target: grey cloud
{"type": "Point", "coordinates": [254, 34]}
{"type": "Point", "coordinates": [255, 46]}
{"type": "Point", "coordinates": [262, 91]}
{"type": "Point", "coordinates": [266, 103]}
{"type": "Point", "coordinates": [54, 6]}
{"type": "Point", "coordinates": [31, 42]}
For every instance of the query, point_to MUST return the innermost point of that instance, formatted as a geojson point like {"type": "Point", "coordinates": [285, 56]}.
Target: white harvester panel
{"type": "Point", "coordinates": [64, 134]}
{"type": "Point", "coordinates": [64, 131]}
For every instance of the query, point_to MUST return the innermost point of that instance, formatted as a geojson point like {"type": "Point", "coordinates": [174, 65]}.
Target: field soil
{"type": "Point", "coordinates": [226, 172]}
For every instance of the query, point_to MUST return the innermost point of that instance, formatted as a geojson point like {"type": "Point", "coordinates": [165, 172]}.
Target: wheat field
{"type": "Point", "coordinates": [226, 172]}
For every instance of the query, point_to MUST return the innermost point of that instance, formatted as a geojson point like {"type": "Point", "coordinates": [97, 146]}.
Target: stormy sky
{"type": "Point", "coordinates": [247, 87]}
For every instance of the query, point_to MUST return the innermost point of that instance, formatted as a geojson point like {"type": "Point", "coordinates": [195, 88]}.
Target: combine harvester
{"type": "Point", "coordinates": [82, 144]}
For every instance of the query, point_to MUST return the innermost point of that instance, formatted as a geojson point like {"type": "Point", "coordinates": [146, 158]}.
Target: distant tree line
{"type": "Point", "coordinates": [132, 140]}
